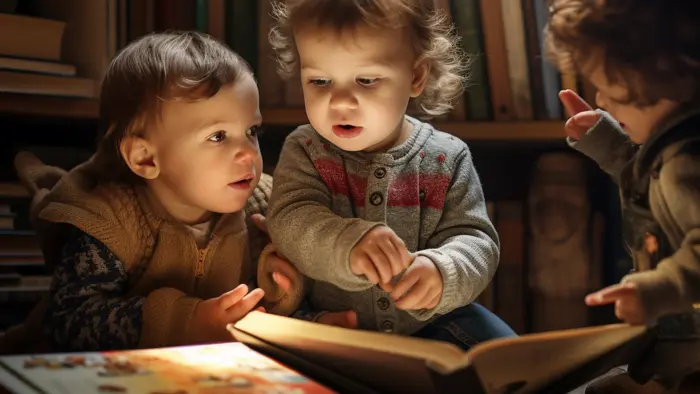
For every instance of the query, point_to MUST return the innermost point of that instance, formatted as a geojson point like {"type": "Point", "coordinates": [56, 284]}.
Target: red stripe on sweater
{"type": "Point", "coordinates": [435, 187]}
{"type": "Point", "coordinates": [405, 190]}
{"type": "Point", "coordinates": [340, 183]}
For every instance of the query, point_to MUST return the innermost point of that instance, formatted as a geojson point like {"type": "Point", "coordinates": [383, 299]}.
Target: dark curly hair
{"type": "Point", "coordinates": [651, 47]}
{"type": "Point", "coordinates": [434, 39]}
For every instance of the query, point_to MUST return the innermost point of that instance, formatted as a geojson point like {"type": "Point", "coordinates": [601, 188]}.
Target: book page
{"type": "Point", "coordinates": [218, 368]}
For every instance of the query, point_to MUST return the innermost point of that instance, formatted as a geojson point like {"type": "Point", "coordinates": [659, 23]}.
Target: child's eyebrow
{"type": "Point", "coordinates": [307, 67]}
{"type": "Point", "coordinates": [205, 124]}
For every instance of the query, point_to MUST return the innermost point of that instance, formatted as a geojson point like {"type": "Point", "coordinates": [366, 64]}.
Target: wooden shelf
{"type": "Point", "coordinates": [49, 106]}
{"type": "Point", "coordinates": [64, 107]}
{"type": "Point", "coordinates": [539, 130]}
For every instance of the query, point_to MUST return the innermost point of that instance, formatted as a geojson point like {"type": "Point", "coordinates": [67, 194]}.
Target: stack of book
{"type": "Point", "coordinates": [30, 59]}
{"type": "Point", "coordinates": [23, 276]}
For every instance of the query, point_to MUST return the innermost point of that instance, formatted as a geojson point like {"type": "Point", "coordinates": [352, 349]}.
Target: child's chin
{"type": "Point", "coordinates": [351, 144]}
{"type": "Point", "coordinates": [228, 207]}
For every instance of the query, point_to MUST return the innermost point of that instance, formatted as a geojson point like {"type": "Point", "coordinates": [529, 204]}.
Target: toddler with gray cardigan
{"type": "Point", "coordinates": [383, 213]}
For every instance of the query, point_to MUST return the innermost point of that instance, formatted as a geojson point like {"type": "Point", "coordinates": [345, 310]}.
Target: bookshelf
{"type": "Point", "coordinates": [62, 107]}
{"type": "Point", "coordinates": [539, 130]}
{"type": "Point", "coordinates": [48, 106]}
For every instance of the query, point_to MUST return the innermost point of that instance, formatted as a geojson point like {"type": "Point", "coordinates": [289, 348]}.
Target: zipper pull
{"type": "Point", "coordinates": [199, 269]}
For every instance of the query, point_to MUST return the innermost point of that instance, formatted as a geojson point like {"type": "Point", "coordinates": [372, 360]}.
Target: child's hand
{"type": "Point", "coordinates": [347, 319]}
{"type": "Point", "coordinates": [211, 316]}
{"type": "Point", "coordinates": [628, 305]}
{"type": "Point", "coordinates": [582, 116]}
{"type": "Point", "coordinates": [420, 287]}
{"type": "Point", "coordinates": [380, 255]}
{"type": "Point", "coordinates": [260, 221]}
{"type": "Point", "coordinates": [282, 271]}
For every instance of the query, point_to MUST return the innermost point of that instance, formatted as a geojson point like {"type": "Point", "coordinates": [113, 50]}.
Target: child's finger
{"type": "Point", "coordinates": [407, 281]}
{"type": "Point", "coordinates": [365, 267]}
{"type": "Point", "coordinates": [586, 119]}
{"type": "Point", "coordinates": [246, 304]}
{"type": "Point", "coordinates": [283, 272]}
{"type": "Point", "coordinates": [434, 302]}
{"type": "Point", "coordinates": [609, 295]}
{"type": "Point", "coordinates": [577, 125]}
{"type": "Point", "coordinates": [406, 256]}
{"type": "Point", "coordinates": [388, 286]}
{"type": "Point", "coordinates": [350, 319]}
{"type": "Point", "coordinates": [381, 264]}
{"type": "Point", "coordinates": [430, 300]}
{"type": "Point", "coordinates": [231, 297]}
{"type": "Point", "coordinates": [260, 221]}
{"type": "Point", "coordinates": [412, 299]}
{"type": "Point", "coordinates": [393, 255]}
{"type": "Point", "coordinates": [573, 103]}
{"type": "Point", "coordinates": [572, 130]}
{"type": "Point", "coordinates": [282, 281]}
{"type": "Point", "coordinates": [347, 319]}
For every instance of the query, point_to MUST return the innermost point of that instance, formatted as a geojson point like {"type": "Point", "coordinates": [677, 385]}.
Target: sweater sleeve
{"type": "Point", "coordinates": [88, 310]}
{"type": "Point", "coordinates": [465, 245]}
{"type": "Point", "coordinates": [258, 204]}
{"type": "Point", "coordinates": [675, 283]}
{"type": "Point", "coordinates": [303, 227]}
{"type": "Point", "coordinates": [606, 144]}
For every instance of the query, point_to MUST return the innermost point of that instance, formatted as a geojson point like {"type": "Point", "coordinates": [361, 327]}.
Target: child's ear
{"type": "Point", "coordinates": [420, 77]}
{"type": "Point", "coordinates": [140, 155]}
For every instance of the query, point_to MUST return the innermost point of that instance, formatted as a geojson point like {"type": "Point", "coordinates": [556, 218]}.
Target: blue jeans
{"type": "Point", "coordinates": [466, 326]}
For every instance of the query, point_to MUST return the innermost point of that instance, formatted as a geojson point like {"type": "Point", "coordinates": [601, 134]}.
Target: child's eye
{"type": "Point", "coordinates": [320, 82]}
{"type": "Point", "coordinates": [367, 81]}
{"type": "Point", "coordinates": [218, 136]}
{"type": "Point", "coordinates": [255, 132]}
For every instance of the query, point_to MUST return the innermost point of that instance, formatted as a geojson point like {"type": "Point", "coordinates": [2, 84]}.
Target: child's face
{"type": "Point", "coordinates": [357, 84]}
{"type": "Point", "coordinates": [207, 151]}
{"type": "Point", "coordinates": [638, 122]}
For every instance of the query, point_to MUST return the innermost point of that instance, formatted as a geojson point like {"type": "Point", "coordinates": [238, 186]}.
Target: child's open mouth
{"type": "Point", "coordinates": [243, 183]}
{"type": "Point", "coordinates": [346, 130]}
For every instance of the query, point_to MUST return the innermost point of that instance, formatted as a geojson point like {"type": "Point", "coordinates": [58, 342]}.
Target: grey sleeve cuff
{"type": "Point", "coordinates": [606, 144]}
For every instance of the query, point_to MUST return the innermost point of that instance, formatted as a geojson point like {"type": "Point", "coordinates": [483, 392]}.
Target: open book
{"type": "Point", "coordinates": [284, 355]}
{"type": "Point", "coordinates": [363, 361]}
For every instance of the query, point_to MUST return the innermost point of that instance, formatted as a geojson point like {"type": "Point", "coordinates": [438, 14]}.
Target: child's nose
{"type": "Point", "coordinates": [343, 99]}
{"type": "Point", "coordinates": [245, 152]}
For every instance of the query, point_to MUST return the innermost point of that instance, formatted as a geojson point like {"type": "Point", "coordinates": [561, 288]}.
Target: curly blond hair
{"type": "Point", "coordinates": [434, 40]}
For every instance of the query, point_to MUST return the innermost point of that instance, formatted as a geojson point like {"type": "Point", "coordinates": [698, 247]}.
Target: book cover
{"type": "Point", "coordinates": [218, 368]}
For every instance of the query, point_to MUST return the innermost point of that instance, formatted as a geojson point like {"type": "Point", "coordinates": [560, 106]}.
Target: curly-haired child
{"type": "Point", "coordinates": [384, 213]}
{"type": "Point", "coordinates": [644, 59]}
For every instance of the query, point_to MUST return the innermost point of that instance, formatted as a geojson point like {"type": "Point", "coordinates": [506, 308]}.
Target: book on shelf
{"type": "Point", "coordinates": [37, 66]}
{"type": "Point", "coordinates": [319, 358]}
{"type": "Point", "coordinates": [50, 85]}
{"type": "Point", "coordinates": [31, 37]}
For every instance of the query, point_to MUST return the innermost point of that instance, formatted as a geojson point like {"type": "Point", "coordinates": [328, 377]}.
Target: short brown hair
{"type": "Point", "coordinates": [152, 69]}
{"type": "Point", "coordinates": [433, 37]}
{"type": "Point", "coordinates": [652, 48]}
